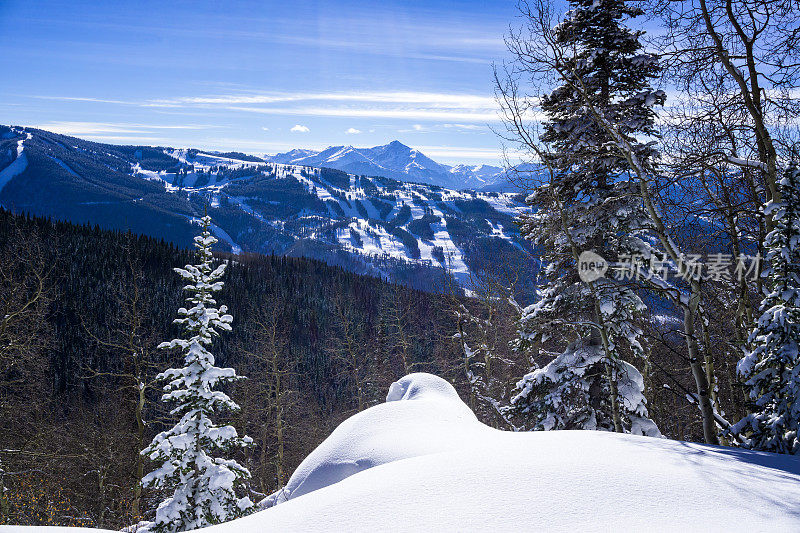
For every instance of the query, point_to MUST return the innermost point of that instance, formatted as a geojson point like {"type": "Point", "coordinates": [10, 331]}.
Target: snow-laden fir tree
{"type": "Point", "coordinates": [591, 203]}
{"type": "Point", "coordinates": [203, 485]}
{"type": "Point", "coordinates": [772, 366]}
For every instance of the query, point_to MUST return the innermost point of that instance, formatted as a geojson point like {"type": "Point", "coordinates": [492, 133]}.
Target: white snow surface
{"type": "Point", "coordinates": [422, 415]}
{"type": "Point", "coordinates": [423, 462]}
{"type": "Point", "coordinates": [17, 166]}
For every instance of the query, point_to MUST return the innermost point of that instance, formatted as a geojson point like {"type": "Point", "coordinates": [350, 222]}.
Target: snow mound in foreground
{"type": "Point", "coordinates": [423, 415]}
{"type": "Point", "coordinates": [422, 386]}
{"type": "Point", "coordinates": [422, 463]}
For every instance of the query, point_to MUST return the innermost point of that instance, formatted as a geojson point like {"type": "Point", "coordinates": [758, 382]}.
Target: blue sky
{"type": "Point", "coordinates": [258, 76]}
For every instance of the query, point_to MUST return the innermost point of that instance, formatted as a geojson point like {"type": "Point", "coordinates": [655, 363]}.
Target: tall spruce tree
{"type": "Point", "coordinates": [591, 203]}
{"type": "Point", "coordinates": [203, 485]}
{"type": "Point", "coordinates": [772, 366]}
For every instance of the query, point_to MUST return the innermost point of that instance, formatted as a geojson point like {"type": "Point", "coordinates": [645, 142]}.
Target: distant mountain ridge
{"type": "Point", "coordinates": [407, 232]}
{"type": "Point", "coordinates": [394, 160]}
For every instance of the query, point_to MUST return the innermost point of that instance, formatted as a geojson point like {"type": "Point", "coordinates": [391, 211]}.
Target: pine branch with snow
{"type": "Point", "coordinates": [573, 392]}
{"type": "Point", "coordinates": [204, 485]}
{"type": "Point", "coordinates": [772, 366]}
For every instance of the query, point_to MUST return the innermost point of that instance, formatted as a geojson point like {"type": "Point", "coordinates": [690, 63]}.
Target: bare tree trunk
{"type": "Point", "coordinates": [612, 383]}
{"type": "Point", "coordinates": [600, 338]}
{"type": "Point", "coordinates": [698, 372]}
{"type": "Point", "coordinates": [279, 422]}
{"type": "Point", "coordinates": [4, 505]}
{"type": "Point", "coordinates": [263, 460]}
{"type": "Point", "coordinates": [465, 354]}
{"type": "Point", "coordinates": [137, 488]}
{"type": "Point", "coordinates": [397, 319]}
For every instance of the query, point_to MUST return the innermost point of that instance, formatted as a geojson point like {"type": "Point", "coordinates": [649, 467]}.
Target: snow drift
{"type": "Point", "coordinates": [422, 462]}
{"type": "Point", "coordinates": [422, 415]}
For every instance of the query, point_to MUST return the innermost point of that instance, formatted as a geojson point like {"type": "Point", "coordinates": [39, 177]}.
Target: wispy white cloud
{"type": "Point", "coordinates": [405, 105]}
{"type": "Point", "coordinates": [377, 112]}
{"type": "Point", "coordinates": [129, 139]}
{"type": "Point", "coordinates": [469, 127]}
{"type": "Point", "coordinates": [447, 128]}
{"type": "Point", "coordinates": [373, 29]}
{"type": "Point", "coordinates": [418, 128]}
{"type": "Point", "coordinates": [432, 99]}
{"type": "Point", "coordinates": [410, 105]}
{"type": "Point", "coordinates": [299, 128]}
{"type": "Point", "coordinates": [352, 131]}
{"type": "Point", "coordinates": [253, 146]}
{"type": "Point", "coordinates": [460, 153]}
{"type": "Point", "coordinates": [103, 128]}
{"type": "Point", "coordinates": [85, 99]}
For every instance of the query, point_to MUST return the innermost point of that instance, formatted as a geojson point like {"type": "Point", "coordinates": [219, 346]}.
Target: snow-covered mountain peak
{"type": "Point", "coordinates": [397, 145]}
{"type": "Point", "coordinates": [394, 160]}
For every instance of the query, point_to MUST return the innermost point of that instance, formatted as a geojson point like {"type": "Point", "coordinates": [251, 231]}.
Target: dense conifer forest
{"type": "Point", "coordinates": [79, 395]}
{"type": "Point", "coordinates": [316, 343]}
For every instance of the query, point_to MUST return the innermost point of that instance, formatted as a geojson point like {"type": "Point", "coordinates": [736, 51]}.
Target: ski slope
{"type": "Point", "coordinates": [364, 233]}
{"type": "Point", "coordinates": [406, 231]}
{"type": "Point", "coordinates": [17, 166]}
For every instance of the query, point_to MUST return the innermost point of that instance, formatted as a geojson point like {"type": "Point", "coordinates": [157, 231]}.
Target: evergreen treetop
{"type": "Point", "coordinates": [604, 65]}
{"type": "Point", "coordinates": [591, 203]}
{"type": "Point", "coordinates": [203, 485]}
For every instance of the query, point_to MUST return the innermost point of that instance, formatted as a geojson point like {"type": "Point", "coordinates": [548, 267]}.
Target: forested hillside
{"type": "Point", "coordinates": [406, 232]}
{"type": "Point", "coordinates": [316, 343]}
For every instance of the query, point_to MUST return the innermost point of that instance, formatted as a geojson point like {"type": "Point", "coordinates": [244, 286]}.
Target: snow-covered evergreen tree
{"type": "Point", "coordinates": [590, 203]}
{"type": "Point", "coordinates": [772, 366]}
{"type": "Point", "coordinates": [574, 392]}
{"type": "Point", "coordinates": [203, 485]}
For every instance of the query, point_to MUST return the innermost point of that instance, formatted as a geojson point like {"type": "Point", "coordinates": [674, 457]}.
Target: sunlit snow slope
{"type": "Point", "coordinates": [422, 462]}
{"type": "Point", "coordinates": [436, 468]}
